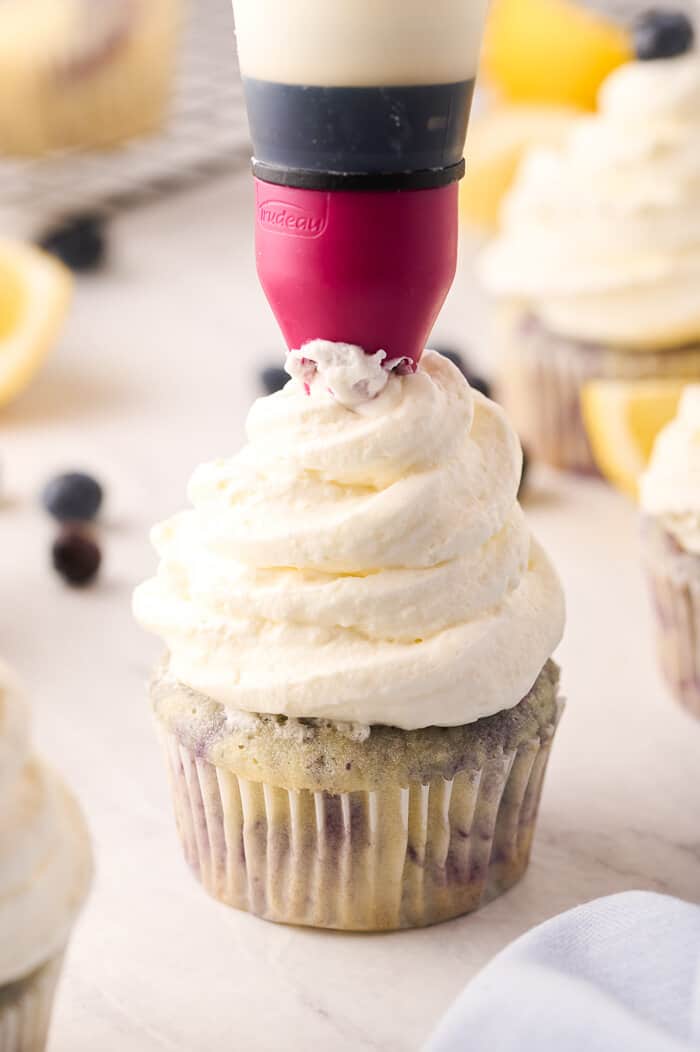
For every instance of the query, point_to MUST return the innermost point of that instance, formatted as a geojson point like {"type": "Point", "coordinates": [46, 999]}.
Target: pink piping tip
{"type": "Point", "coordinates": [361, 267]}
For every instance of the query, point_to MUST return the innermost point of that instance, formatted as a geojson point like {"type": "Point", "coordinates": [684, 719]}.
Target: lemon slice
{"type": "Point", "coordinates": [623, 418]}
{"type": "Point", "coordinates": [498, 139]}
{"type": "Point", "coordinates": [35, 291]}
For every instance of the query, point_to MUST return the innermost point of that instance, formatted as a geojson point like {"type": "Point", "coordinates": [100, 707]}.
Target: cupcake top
{"type": "Point", "coordinates": [367, 563]}
{"type": "Point", "coordinates": [601, 237]}
{"type": "Point", "coordinates": [670, 487]}
{"type": "Point", "coordinates": [45, 857]}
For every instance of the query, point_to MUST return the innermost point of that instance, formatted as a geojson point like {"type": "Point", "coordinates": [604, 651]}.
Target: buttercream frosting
{"type": "Point", "coordinates": [368, 564]}
{"type": "Point", "coordinates": [342, 371]}
{"type": "Point", "coordinates": [350, 43]}
{"type": "Point", "coordinates": [670, 487]}
{"type": "Point", "coordinates": [45, 858]}
{"type": "Point", "coordinates": [601, 236]}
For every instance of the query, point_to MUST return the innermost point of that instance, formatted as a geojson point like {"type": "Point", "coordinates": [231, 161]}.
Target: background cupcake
{"type": "Point", "coordinates": [357, 704]}
{"type": "Point", "coordinates": [670, 501]}
{"type": "Point", "coordinates": [543, 62]}
{"type": "Point", "coordinates": [80, 74]}
{"type": "Point", "coordinates": [598, 264]}
{"type": "Point", "coordinates": [45, 869]}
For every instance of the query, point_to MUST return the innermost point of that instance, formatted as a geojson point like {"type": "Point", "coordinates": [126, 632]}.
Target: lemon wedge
{"type": "Point", "coordinates": [551, 51]}
{"type": "Point", "coordinates": [498, 140]}
{"type": "Point", "coordinates": [623, 418]}
{"type": "Point", "coordinates": [35, 290]}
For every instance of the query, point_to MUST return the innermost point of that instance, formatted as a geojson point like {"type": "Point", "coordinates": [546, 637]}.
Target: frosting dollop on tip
{"type": "Point", "coordinates": [343, 371]}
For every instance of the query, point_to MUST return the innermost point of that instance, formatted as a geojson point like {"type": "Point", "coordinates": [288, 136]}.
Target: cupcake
{"type": "Point", "coordinates": [81, 74]}
{"type": "Point", "coordinates": [597, 267]}
{"type": "Point", "coordinates": [357, 701]}
{"type": "Point", "coordinates": [670, 503]}
{"type": "Point", "coordinates": [45, 869]}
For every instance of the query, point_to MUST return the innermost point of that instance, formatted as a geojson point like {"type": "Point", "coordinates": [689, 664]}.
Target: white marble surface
{"type": "Point", "coordinates": [153, 374]}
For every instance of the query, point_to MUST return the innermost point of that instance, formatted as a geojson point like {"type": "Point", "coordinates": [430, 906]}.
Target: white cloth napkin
{"type": "Point", "coordinates": [621, 974]}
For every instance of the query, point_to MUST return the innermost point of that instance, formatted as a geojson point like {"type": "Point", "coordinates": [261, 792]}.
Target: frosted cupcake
{"type": "Point", "coordinates": [597, 268]}
{"type": "Point", "coordinates": [84, 74]}
{"type": "Point", "coordinates": [45, 869]}
{"type": "Point", "coordinates": [670, 502]}
{"type": "Point", "coordinates": [357, 702]}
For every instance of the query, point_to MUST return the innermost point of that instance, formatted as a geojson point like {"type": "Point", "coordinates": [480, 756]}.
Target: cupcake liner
{"type": "Point", "coordinates": [541, 376]}
{"type": "Point", "coordinates": [396, 857]}
{"type": "Point", "coordinates": [674, 581]}
{"type": "Point", "coordinates": [25, 1009]}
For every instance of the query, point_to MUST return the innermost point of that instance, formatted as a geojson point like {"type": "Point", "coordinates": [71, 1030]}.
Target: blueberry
{"type": "Point", "coordinates": [523, 476]}
{"type": "Point", "coordinates": [73, 497]}
{"type": "Point", "coordinates": [273, 378]}
{"type": "Point", "coordinates": [75, 556]}
{"type": "Point", "coordinates": [79, 242]}
{"type": "Point", "coordinates": [662, 34]}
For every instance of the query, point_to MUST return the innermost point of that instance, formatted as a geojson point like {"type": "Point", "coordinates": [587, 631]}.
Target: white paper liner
{"type": "Point", "coordinates": [398, 857]}
{"type": "Point", "coordinates": [25, 1009]}
{"type": "Point", "coordinates": [541, 376]}
{"type": "Point", "coordinates": [674, 581]}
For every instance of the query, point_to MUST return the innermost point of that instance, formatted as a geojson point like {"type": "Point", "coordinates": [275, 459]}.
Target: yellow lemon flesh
{"type": "Point", "coordinates": [551, 51]}
{"type": "Point", "coordinates": [623, 419]}
{"type": "Point", "coordinates": [35, 291]}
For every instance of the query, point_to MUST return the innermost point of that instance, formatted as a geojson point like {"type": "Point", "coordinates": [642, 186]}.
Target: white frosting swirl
{"type": "Point", "coordinates": [670, 487]}
{"type": "Point", "coordinates": [369, 565]}
{"type": "Point", "coordinates": [45, 858]}
{"type": "Point", "coordinates": [601, 237]}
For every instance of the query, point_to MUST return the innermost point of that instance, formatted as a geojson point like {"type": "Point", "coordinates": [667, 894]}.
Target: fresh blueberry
{"type": "Point", "coordinates": [523, 477]}
{"type": "Point", "coordinates": [273, 378]}
{"type": "Point", "coordinates": [662, 34]}
{"type": "Point", "coordinates": [75, 556]}
{"type": "Point", "coordinates": [73, 497]}
{"type": "Point", "coordinates": [79, 242]}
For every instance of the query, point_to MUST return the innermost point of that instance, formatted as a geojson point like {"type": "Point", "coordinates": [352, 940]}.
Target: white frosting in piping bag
{"type": "Point", "coordinates": [368, 564]}
{"type": "Point", "coordinates": [45, 857]}
{"type": "Point", "coordinates": [602, 236]}
{"type": "Point", "coordinates": [351, 43]}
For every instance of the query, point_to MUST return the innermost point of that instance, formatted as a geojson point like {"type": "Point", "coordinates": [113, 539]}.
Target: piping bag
{"type": "Point", "coordinates": [358, 112]}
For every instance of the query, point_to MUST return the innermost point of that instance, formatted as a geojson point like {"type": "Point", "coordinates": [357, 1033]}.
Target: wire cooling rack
{"type": "Point", "coordinates": [206, 132]}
